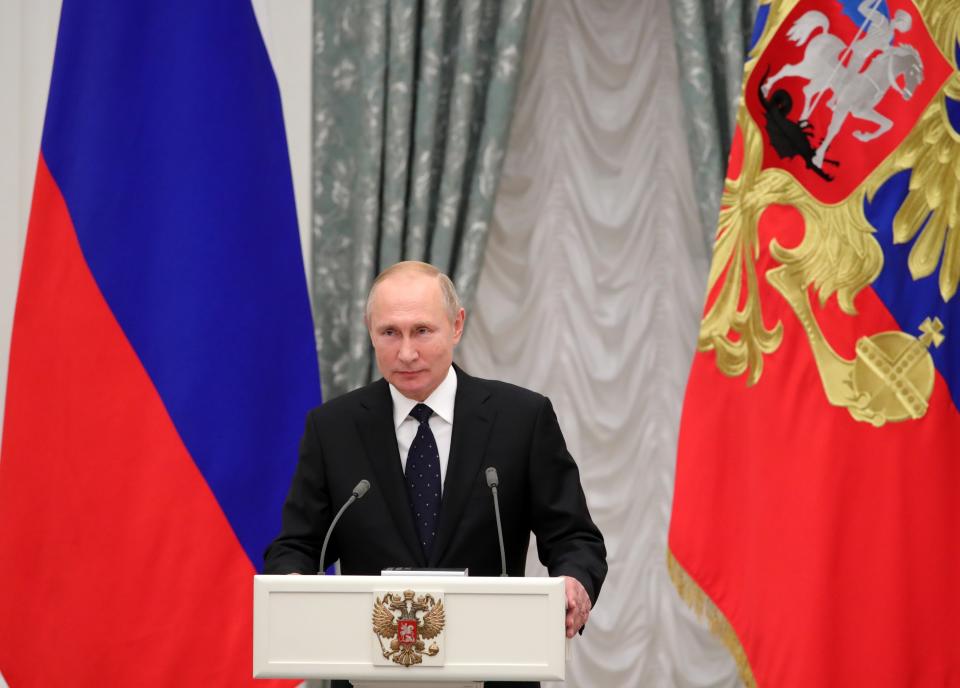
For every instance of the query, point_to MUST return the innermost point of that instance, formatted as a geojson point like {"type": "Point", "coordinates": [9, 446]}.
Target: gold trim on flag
{"type": "Point", "coordinates": [701, 604]}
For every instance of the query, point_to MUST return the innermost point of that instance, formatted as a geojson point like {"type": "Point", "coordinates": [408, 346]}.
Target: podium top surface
{"type": "Point", "coordinates": [479, 584]}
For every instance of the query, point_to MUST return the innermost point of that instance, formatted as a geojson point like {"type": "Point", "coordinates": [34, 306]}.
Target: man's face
{"type": "Point", "coordinates": [412, 334]}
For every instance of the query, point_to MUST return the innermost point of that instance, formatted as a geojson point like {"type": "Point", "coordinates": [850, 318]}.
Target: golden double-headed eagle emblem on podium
{"type": "Point", "coordinates": [406, 621]}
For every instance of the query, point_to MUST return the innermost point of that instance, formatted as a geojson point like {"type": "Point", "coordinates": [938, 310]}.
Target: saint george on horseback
{"type": "Point", "coordinates": [829, 64]}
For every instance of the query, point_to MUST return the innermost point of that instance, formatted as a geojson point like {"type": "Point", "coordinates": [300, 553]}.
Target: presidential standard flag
{"type": "Point", "coordinates": [162, 357]}
{"type": "Point", "coordinates": [816, 519]}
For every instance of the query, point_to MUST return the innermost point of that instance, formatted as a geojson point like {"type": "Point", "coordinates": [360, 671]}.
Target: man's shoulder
{"type": "Point", "coordinates": [500, 391]}
{"type": "Point", "coordinates": [348, 403]}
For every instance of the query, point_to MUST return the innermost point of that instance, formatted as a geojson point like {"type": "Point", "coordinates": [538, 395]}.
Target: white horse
{"type": "Point", "coordinates": [854, 94]}
{"type": "Point", "coordinates": [820, 65]}
{"type": "Point", "coordinates": [862, 92]}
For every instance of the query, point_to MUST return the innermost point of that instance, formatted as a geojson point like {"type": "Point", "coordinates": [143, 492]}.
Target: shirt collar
{"type": "Point", "coordinates": [441, 401]}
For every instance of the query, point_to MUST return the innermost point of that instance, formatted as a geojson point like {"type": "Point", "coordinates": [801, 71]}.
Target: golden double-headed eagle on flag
{"type": "Point", "coordinates": [838, 98]}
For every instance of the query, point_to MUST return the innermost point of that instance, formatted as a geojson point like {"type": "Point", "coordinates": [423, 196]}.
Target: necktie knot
{"type": "Point", "coordinates": [422, 413]}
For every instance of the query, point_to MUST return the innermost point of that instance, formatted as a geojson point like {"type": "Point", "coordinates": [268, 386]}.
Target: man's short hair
{"type": "Point", "coordinates": [448, 292]}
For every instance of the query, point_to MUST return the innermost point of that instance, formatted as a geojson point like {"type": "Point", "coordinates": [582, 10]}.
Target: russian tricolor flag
{"type": "Point", "coordinates": [162, 357]}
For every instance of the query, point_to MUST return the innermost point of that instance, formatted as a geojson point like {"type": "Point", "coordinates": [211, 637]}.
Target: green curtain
{"type": "Point", "coordinates": [412, 103]}
{"type": "Point", "coordinates": [712, 38]}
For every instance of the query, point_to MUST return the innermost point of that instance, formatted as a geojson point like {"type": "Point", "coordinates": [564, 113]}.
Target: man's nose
{"type": "Point", "coordinates": [408, 352]}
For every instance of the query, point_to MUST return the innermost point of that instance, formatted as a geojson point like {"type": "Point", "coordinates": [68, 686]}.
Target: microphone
{"type": "Point", "coordinates": [358, 492]}
{"type": "Point", "coordinates": [492, 482]}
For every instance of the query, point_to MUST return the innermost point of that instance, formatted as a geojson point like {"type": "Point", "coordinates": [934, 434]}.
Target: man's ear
{"type": "Point", "coordinates": [458, 325]}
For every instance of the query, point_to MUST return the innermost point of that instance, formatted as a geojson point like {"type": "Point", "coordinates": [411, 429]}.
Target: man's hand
{"type": "Point", "coordinates": [578, 605]}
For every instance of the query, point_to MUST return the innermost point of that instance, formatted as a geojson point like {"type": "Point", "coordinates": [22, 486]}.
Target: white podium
{"type": "Point", "coordinates": [433, 630]}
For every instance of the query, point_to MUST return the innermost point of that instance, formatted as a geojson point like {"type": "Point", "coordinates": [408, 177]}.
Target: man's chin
{"type": "Point", "coordinates": [410, 385]}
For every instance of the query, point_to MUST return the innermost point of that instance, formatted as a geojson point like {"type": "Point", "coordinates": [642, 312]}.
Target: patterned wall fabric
{"type": "Point", "coordinates": [412, 106]}
{"type": "Point", "coordinates": [712, 37]}
{"type": "Point", "coordinates": [591, 292]}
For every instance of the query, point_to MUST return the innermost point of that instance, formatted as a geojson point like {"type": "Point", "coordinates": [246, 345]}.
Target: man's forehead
{"type": "Point", "coordinates": [401, 296]}
{"type": "Point", "coordinates": [408, 285]}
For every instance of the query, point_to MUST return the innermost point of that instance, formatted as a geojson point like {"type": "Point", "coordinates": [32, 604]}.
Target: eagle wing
{"type": "Point", "coordinates": [384, 623]}
{"type": "Point", "coordinates": [931, 211]}
{"type": "Point", "coordinates": [433, 621]}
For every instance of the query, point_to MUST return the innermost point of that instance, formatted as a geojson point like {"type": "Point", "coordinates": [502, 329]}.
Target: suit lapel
{"type": "Point", "coordinates": [472, 421]}
{"type": "Point", "coordinates": [380, 442]}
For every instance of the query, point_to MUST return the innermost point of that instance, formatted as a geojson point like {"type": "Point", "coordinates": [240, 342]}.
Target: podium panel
{"type": "Point", "coordinates": [492, 628]}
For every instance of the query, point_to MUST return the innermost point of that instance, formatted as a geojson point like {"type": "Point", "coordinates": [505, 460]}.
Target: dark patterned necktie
{"type": "Point", "coordinates": [423, 478]}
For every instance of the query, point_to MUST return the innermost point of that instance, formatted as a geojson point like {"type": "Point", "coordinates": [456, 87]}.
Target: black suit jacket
{"type": "Point", "coordinates": [495, 424]}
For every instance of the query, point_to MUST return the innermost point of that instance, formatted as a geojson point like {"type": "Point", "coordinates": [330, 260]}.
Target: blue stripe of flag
{"type": "Point", "coordinates": [165, 134]}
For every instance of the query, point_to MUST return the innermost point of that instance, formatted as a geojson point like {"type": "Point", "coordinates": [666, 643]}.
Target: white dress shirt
{"type": "Point", "coordinates": [441, 401]}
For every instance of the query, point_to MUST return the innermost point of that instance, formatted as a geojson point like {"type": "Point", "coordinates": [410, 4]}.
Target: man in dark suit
{"type": "Point", "coordinates": [423, 436]}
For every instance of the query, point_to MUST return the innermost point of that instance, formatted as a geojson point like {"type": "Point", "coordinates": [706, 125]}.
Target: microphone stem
{"type": "Point", "coordinates": [496, 510]}
{"type": "Point", "coordinates": [326, 540]}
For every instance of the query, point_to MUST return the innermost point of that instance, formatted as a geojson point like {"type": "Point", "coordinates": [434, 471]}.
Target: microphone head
{"type": "Point", "coordinates": [492, 479]}
{"type": "Point", "coordinates": [361, 489]}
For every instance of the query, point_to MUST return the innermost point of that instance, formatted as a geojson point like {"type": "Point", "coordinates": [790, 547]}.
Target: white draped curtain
{"type": "Point", "coordinates": [590, 293]}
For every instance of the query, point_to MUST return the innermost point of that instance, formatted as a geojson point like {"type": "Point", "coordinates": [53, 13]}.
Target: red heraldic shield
{"type": "Point", "coordinates": [815, 515]}
{"type": "Point", "coordinates": [407, 631]}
